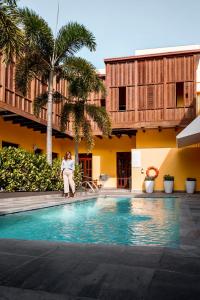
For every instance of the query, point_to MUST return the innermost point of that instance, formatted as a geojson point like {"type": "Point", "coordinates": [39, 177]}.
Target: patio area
{"type": "Point", "coordinates": [47, 270]}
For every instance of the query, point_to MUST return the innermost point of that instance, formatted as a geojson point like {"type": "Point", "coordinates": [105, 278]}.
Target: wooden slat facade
{"type": "Point", "coordinates": [150, 83]}
{"type": "Point", "coordinates": [11, 99]}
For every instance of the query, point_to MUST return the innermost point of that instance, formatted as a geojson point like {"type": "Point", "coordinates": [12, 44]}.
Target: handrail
{"type": "Point", "coordinates": [91, 185]}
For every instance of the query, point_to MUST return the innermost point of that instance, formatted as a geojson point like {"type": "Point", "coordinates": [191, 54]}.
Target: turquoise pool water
{"type": "Point", "coordinates": [128, 221]}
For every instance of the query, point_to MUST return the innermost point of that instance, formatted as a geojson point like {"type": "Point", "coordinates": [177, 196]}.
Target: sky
{"type": "Point", "coordinates": [123, 26]}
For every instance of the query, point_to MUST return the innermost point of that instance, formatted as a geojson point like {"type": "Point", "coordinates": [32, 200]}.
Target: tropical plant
{"type": "Point", "coordinates": [83, 79]}
{"type": "Point", "coordinates": [21, 170]}
{"type": "Point", "coordinates": [78, 176]}
{"type": "Point", "coordinates": [45, 56]}
{"type": "Point", "coordinates": [11, 37]}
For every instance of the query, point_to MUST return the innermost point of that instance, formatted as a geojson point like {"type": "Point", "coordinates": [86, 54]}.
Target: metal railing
{"type": "Point", "coordinates": [89, 183]}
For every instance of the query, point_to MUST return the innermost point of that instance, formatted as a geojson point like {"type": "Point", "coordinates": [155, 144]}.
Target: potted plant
{"type": "Point", "coordinates": [190, 184]}
{"type": "Point", "coordinates": [149, 184]}
{"type": "Point", "coordinates": [168, 183]}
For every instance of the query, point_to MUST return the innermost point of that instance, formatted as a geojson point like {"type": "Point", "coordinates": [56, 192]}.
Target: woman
{"type": "Point", "coordinates": [67, 171]}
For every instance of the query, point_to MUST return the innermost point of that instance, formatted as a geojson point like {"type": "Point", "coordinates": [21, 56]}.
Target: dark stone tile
{"type": "Point", "coordinates": [9, 293]}
{"type": "Point", "coordinates": [11, 262]}
{"type": "Point", "coordinates": [51, 275]}
{"type": "Point", "coordinates": [122, 282]}
{"type": "Point", "coordinates": [173, 286]}
{"type": "Point", "coordinates": [180, 263]}
{"type": "Point", "coordinates": [25, 247]}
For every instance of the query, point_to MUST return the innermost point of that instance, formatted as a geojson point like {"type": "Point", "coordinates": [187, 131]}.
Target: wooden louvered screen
{"type": "Point", "coordinates": [150, 97]}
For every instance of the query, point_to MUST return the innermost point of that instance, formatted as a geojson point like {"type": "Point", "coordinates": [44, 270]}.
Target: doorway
{"type": "Point", "coordinates": [123, 170]}
{"type": "Point", "coordinates": [85, 160]}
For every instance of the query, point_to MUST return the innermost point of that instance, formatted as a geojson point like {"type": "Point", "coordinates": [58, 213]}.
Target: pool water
{"type": "Point", "coordinates": [127, 221]}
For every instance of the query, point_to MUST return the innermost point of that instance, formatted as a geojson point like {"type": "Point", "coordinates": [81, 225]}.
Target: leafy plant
{"type": "Point", "coordinates": [191, 179]}
{"type": "Point", "coordinates": [11, 37]}
{"type": "Point", "coordinates": [46, 56]}
{"type": "Point", "coordinates": [21, 170]}
{"type": "Point", "coordinates": [168, 177]}
{"type": "Point", "coordinates": [150, 178]}
{"type": "Point", "coordinates": [78, 176]}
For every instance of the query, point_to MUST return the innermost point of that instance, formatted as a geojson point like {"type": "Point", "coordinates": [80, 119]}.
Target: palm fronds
{"type": "Point", "coordinates": [28, 67]}
{"type": "Point", "coordinates": [39, 36]}
{"type": "Point", "coordinates": [82, 77]}
{"type": "Point", "coordinates": [87, 134]}
{"type": "Point", "coordinates": [72, 38]}
{"type": "Point", "coordinates": [42, 99]}
{"type": "Point", "coordinates": [67, 110]}
{"type": "Point", "coordinates": [100, 117]}
{"type": "Point", "coordinates": [11, 37]}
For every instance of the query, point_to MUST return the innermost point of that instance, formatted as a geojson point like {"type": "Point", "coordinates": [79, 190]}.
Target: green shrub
{"type": "Point", "coordinates": [168, 177]}
{"type": "Point", "coordinates": [150, 178]}
{"type": "Point", "coordinates": [78, 176]}
{"type": "Point", "coordinates": [24, 171]}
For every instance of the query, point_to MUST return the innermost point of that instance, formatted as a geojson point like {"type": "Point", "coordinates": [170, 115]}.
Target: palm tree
{"type": "Point", "coordinates": [83, 79]}
{"type": "Point", "coordinates": [44, 56]}
{"type": "Point", "coordinates": [11, 37]}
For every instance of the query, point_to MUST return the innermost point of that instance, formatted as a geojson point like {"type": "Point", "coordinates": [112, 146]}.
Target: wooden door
{"type": "Point", "coordinates": [123, 170]}
{"type": "Point", "coordinates": [85, 160]}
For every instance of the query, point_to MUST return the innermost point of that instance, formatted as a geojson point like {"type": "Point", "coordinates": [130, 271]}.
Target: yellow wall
{"type": "Point", "coordinates": [27, 138]}
{"type": "Point", "coordinates": [158, 149]}
{"type": "Point", "coordinates": [104, 156]}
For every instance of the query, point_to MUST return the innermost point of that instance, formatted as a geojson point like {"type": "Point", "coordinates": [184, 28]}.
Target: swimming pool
{"type": "Point", "coordinates": [106, 220]}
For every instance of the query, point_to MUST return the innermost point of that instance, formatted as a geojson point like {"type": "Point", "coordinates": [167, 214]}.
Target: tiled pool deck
{"type": "Point", "coordinates": [46, 270]}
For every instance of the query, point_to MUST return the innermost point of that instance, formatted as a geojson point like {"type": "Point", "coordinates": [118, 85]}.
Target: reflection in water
{"type": "Point", "coordinates": [129, 221]}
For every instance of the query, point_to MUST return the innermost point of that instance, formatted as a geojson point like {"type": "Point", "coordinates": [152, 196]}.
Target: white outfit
{"type": "Point", "coordinates": [67, 167]}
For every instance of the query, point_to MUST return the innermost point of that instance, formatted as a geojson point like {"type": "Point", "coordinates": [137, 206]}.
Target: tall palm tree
{"type": "Point", "coordinates": [82, 80]}
{"type": "Point", "coordinates": [44, 56]}
{"type": "Point", "coordinates": [11, 37]}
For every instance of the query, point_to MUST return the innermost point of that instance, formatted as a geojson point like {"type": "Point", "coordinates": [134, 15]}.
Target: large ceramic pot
{"type": "Point", "coordinates": [190, 184]}
{"type": "Point", "coordinates": [149, 186]}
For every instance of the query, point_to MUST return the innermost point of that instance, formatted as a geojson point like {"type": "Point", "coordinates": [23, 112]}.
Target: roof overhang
{"type": "Point", "coordinates": [189, 135]}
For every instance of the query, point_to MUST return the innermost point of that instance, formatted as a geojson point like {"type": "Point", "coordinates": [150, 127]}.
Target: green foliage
{"type": "Point", "coordinates": [11, 37]}
{"type": "Point", "coordinates": [78, 175]}
{"type": "Point", "coordinates": [24, 171]}
{"type": "Point", "coordinates": [150, 178]}
{"type": "Point", "coordinates": [168, 177]}
{"type": "Point", "coordinates": [191, 179]}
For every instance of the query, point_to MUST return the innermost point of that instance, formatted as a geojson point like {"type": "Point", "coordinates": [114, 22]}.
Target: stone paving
{"type": "Point", "coordinates": [46, 270]}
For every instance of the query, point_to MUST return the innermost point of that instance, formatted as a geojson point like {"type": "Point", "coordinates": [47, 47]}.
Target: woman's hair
{"type": "Point", "coordinates": [67, 154]}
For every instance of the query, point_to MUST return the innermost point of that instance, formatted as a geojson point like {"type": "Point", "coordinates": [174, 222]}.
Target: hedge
{"type": "Point", "coordinates": [21, 170]}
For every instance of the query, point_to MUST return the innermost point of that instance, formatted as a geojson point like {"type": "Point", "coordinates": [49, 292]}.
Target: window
{"type": "Point", "coordinates": [54, 155]}
{"type": "Point", "coordinates": [103, 102]}
{"type": "Point", "coordinates": [8, 144]}
{"type": "Point", "coordinates": [180, 94]}
{"type": "Point", "coordinates": [122, 98]}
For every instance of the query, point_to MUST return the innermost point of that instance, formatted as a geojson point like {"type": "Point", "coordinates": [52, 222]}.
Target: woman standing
{"type": "Point", "coordinates": [67, 171]}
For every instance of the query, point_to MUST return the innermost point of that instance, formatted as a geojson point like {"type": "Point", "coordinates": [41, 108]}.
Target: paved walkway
{"type": "Point", "coordinates": [46, 270]}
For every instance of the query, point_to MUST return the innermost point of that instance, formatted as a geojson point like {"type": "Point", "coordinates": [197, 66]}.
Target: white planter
{"type": "Point", "coordinates": [190, 186]}
{"type": "Point", "coordinates": [149, 185]}
{"type": "Point", "coordinates": [168, 186]}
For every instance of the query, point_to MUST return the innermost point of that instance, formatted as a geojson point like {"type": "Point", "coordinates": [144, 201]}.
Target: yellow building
{"type": "Point", "coordinates": [151, 97]}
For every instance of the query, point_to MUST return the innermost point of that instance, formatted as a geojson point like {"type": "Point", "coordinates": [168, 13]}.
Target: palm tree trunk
{"type": "Point", "coordinates": [49, 118]}
{"type": "Point", "coordinates": [76, 152]}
